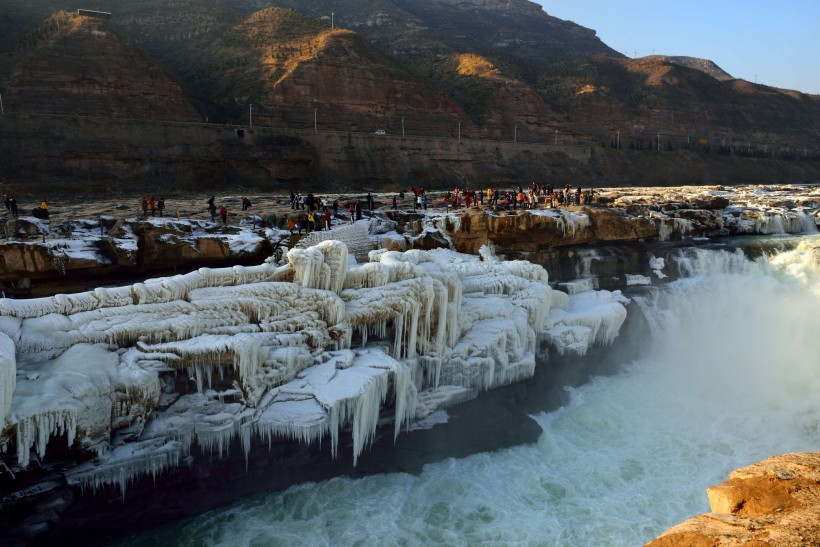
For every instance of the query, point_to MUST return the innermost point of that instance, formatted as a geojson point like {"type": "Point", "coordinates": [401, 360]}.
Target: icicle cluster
{"type": "Point", "coordinates": [305, 351]}
{"type": "Point", "coordinates": [8, 375]}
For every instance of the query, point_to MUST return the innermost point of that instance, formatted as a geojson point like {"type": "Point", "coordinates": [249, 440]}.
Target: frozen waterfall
{"type": "Point", "coordinates": [137, 375]}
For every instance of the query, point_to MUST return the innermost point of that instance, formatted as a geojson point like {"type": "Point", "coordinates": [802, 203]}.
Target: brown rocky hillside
{"type": "Point", "coordinates": [298, 72]}
{"type": "Point", "coordinates": [80, 66]}
{"type": "Point", "coordinates": [317, 78]}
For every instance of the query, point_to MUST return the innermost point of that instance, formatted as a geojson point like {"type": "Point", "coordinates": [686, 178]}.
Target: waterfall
{"type": "Point", "coordinates": [727, 375]}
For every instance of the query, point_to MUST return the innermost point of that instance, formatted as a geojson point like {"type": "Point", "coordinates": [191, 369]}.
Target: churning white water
{"type": "Point", "coordinates": [730, 375]}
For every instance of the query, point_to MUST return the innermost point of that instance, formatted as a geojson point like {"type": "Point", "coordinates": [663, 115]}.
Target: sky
{"type": "Point", "coordinates": [772, 42]}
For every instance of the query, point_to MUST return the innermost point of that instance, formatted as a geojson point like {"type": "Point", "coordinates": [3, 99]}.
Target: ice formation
{"type": "Point", "coordinates": [8, 375]}
{"type": "Point", "coordinates": [139, 375]}
{"type": "Point", "coordinates": [593, 317]}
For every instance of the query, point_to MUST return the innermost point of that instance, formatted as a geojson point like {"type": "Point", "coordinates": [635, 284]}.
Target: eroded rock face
{"type": "Point", "coordinates": [46, 258]}
{"type": "Point", "coordinates": [523, 232]}
{"type": "Point", "coordinates": [772, 503]}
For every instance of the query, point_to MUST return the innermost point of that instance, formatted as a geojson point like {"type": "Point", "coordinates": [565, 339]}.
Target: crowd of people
{"type": "Point", "coordinates": [11, 206]}
{"type": "Point", "coordinates": [149, 204]}
{"type": "Point", "coordinates": [532, 197]}
{"type": "Point", "coordinates": [311, 212]}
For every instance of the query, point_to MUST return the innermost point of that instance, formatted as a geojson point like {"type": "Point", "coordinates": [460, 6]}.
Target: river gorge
{"type": "Point", "coordinates": [608, 433]}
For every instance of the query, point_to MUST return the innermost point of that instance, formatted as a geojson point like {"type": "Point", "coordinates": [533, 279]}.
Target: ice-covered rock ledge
{"type": "Point", "coordinates": [40, 257]}
{"type": "Point", "coordinates": [130, 378]}
{"type": "Point", "coordinates": [773, 503]}
{"type": "Point", "coordinates": [626, 215]}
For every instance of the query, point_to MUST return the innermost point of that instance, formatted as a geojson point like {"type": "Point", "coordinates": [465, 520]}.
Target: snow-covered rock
{"type": "Point", "coordinates": [138, 375]}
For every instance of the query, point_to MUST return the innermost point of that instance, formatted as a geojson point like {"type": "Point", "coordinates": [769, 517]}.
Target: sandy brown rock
{"type": "Point", "coordinates": [773, 503]}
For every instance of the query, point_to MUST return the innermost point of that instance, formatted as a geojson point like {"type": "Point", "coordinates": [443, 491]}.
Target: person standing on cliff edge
{"type": "Point", "coordinates": [212, 208]}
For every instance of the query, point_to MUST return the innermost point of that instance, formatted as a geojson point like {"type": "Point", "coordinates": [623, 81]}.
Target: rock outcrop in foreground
{"type": "Point", "coordinates": [772, 503]}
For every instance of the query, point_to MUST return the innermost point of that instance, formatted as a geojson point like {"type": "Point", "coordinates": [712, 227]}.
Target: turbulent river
{"type": "Point", "coordinates": [729, 374]}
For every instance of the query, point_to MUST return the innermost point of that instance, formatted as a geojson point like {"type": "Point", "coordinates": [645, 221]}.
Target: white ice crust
{"type": "Point", "coordinates": [138, 375]}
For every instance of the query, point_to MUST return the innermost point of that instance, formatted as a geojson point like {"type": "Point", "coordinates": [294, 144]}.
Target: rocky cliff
{"type": "Point", "coordinates": [43, 257]}
{"type": "Point", "coordinates": [773, 503]}
{"type": "Point", "coordinates": [93, 157]}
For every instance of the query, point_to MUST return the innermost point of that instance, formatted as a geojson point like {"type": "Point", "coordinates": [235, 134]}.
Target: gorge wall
{"type": "Point", "coordinates": [103, 155]}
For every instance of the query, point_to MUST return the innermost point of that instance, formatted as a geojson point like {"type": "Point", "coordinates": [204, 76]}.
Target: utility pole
{"type": "Point", "coordinates": [250, 115]}
{"type": "Point", "coordinates": [331, 20]}
{"type": "Point", "coordinates": [459, 130]}
{"type": "Point", "coordinates": [402, 127]}
{"type": "Point", "coordinates": [315, 116]}
{"type": "Point", "coordinates": [618, 139]}
{"type": "Point", "coordinates": [659, 138]}
{"type": "Point", "coordinates": [515, 133]}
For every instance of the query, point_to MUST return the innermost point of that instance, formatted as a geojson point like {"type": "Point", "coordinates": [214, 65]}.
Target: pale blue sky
{"type": "Point", "coordinates": [775, 42]}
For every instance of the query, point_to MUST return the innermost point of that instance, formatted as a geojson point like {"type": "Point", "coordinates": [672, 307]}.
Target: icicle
{"type": "Point", "coordinates": [285, 345]}
{"type": "Point", "coordinates": [405, 394]}
{"type": "Point", "coordinates": [8, 376]}
{"type": "Point", "coordinates": [36, 430]}
{"type": "Point", "coordinates": [124, 464]}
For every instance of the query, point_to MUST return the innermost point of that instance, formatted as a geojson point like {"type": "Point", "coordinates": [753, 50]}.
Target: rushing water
{"type": "Point", "coordinates": [730, 375]}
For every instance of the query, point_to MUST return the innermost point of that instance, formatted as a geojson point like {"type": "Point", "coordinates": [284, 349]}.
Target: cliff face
{"type": "Point", "coordinates": [110, 157]}
{"type": "Point", "coordinates": [772, 503]}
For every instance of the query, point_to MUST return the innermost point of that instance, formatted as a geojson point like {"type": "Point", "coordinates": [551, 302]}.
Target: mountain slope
{"type": "Point", "coordinates": [79, 66]}
{"type": "Point", "coordinates": [704, 65]}
{"type": "Point", "coordinates": [435, 70]}
{"type": "Point", "coordinates": [298, 71]}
